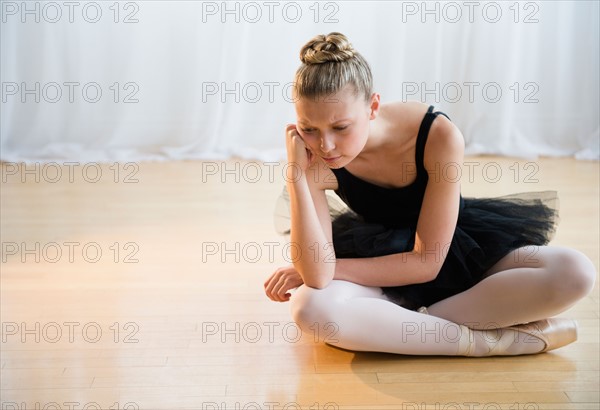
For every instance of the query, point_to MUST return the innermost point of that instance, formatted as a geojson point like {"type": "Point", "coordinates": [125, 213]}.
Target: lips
{"type": "Point", "coordinates": [331, 159]}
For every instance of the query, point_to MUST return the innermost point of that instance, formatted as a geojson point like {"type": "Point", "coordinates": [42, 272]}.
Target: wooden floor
{"type": "Point", "coordinates": [141, 288]}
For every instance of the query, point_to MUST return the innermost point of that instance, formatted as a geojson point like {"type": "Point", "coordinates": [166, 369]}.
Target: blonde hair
{"type": "Point", "coordinates": [329, 63]}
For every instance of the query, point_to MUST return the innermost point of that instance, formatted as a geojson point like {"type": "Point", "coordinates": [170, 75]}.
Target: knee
{"type": "Point", "coordinates": [310, 306]}
{"type": "Point", "coordinates": [574, 274]}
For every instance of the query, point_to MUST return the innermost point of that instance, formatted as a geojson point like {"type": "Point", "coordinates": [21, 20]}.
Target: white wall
{"type": "Point", "coordinates": [175, 55]}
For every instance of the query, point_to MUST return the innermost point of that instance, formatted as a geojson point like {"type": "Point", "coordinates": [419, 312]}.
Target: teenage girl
{"type": "Point", "coordinates": [412, 267]}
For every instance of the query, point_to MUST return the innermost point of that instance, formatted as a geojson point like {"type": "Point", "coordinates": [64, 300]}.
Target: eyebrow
{"type": "Point", "coordinates": [335, 122]}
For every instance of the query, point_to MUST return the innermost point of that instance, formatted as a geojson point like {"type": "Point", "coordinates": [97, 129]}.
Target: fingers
{"type": "Point", "coordinates": [297, 140]}
{"type": "Point", "coordinates": [291, 131]}
{"type": "Point", "coordinates": [298, 151]}
{"type": "Point", "coordinates": [272, 283]}
{"type": "Point", "coordinates": [278, 285]}
{"type": "Point", "coordinates": [278, 292]}
{"type": "Point", "coordinates": [281, 288]}
{"type": "Point", "coordinates": [290, 127]}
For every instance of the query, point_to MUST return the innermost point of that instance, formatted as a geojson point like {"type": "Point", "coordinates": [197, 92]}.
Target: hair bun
{"type": "Point", "coordinates": [327, 48]}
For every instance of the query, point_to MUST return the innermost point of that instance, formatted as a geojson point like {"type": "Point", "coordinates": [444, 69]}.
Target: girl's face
{"type": "Point", "coordinates": [336, 127]}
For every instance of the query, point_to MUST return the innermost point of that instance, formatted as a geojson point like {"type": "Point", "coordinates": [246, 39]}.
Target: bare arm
{"type": "Point", "coordinates": [310, 221]}
{"type": "Point", "coordinates": [435, 227]}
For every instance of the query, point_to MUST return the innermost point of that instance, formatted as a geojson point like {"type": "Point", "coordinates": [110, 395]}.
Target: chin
{"type": "Point", "coordinates": [337, 164]}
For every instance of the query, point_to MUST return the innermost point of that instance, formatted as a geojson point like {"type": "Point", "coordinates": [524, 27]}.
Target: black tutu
{"type": "Point", "coordinates": [487, 230]}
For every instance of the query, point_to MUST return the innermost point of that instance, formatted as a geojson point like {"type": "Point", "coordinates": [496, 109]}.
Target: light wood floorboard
{"type": "Point", "coordinates": [172, 314]}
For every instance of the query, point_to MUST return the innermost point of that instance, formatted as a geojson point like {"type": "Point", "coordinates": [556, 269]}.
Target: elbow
{"type": "Point", "coordinates": [316, 279]}
{"type": "Point", "coordinates": [319, 281]}
{"type": "Point", "coordinates": [430, 265]}
{"type": "Point", "coordinates": [432, 272]}
{"type": "Point", "coordinates": [428, 270]}
{"type": "Point", "coordinates": [317, 284]}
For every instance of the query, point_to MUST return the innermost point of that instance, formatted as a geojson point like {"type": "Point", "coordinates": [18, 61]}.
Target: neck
{"type": "Point", "coordinates": [375, 142]}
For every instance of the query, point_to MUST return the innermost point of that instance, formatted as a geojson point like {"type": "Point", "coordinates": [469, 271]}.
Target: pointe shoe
{"type": "Point", "coordinates": [554, 332]}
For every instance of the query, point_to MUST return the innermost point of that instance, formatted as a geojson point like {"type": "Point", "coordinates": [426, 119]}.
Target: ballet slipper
{"type": "Point", "coordinates": [466, 343]}
{"type": "Point", "coordinates": [554, 332]}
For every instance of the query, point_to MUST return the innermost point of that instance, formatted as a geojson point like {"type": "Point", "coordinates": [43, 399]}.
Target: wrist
{"type": "Point", "coordinates": [294, 173]}
{"type": "Point", "coordinates": [294, 179]}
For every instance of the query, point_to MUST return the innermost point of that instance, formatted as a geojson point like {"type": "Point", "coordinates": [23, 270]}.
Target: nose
{"type": "Point", "coordinates": [327, 144]}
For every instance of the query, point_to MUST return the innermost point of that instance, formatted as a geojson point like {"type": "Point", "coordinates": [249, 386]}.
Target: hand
{"type": "Point", "coordinates": [297, 151]}
{"type": "Point", "coordinates": [284, 279]}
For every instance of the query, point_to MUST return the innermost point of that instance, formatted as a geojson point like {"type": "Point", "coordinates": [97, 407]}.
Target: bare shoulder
{"type": "Point", "coordinates": [403, 116]}
{"type": "Point", "coordinates": [401, 122]}
{"type": "Point", "coordinates": [406, 105]}
{"type": "Point", "coordinates": [406, 117]}
{"type": "Point", "coordinates": [445, 143]}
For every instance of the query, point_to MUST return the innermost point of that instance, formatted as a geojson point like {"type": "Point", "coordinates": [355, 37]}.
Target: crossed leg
{"type": "Point", "coordinates": [361, 318]}
{"type": "Point", "coordinates": [528, 284]}
{"type": "Point", "coordinates": [521, 287]}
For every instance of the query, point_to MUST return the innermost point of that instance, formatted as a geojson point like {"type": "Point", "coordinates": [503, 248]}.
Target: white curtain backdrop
{"type": "Point", "coordinates": [134, 80]}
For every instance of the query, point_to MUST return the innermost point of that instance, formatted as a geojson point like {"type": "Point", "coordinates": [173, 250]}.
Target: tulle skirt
{"type": "Point", "coordinates": [487, 230]}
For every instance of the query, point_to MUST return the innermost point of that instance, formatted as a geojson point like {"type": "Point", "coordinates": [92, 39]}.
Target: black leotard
{"type": "Point", "coordinates": [382, 221]}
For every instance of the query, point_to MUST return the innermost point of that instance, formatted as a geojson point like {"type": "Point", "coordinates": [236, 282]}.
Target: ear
{"type": "Point", "coordinates": [374, 106]}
